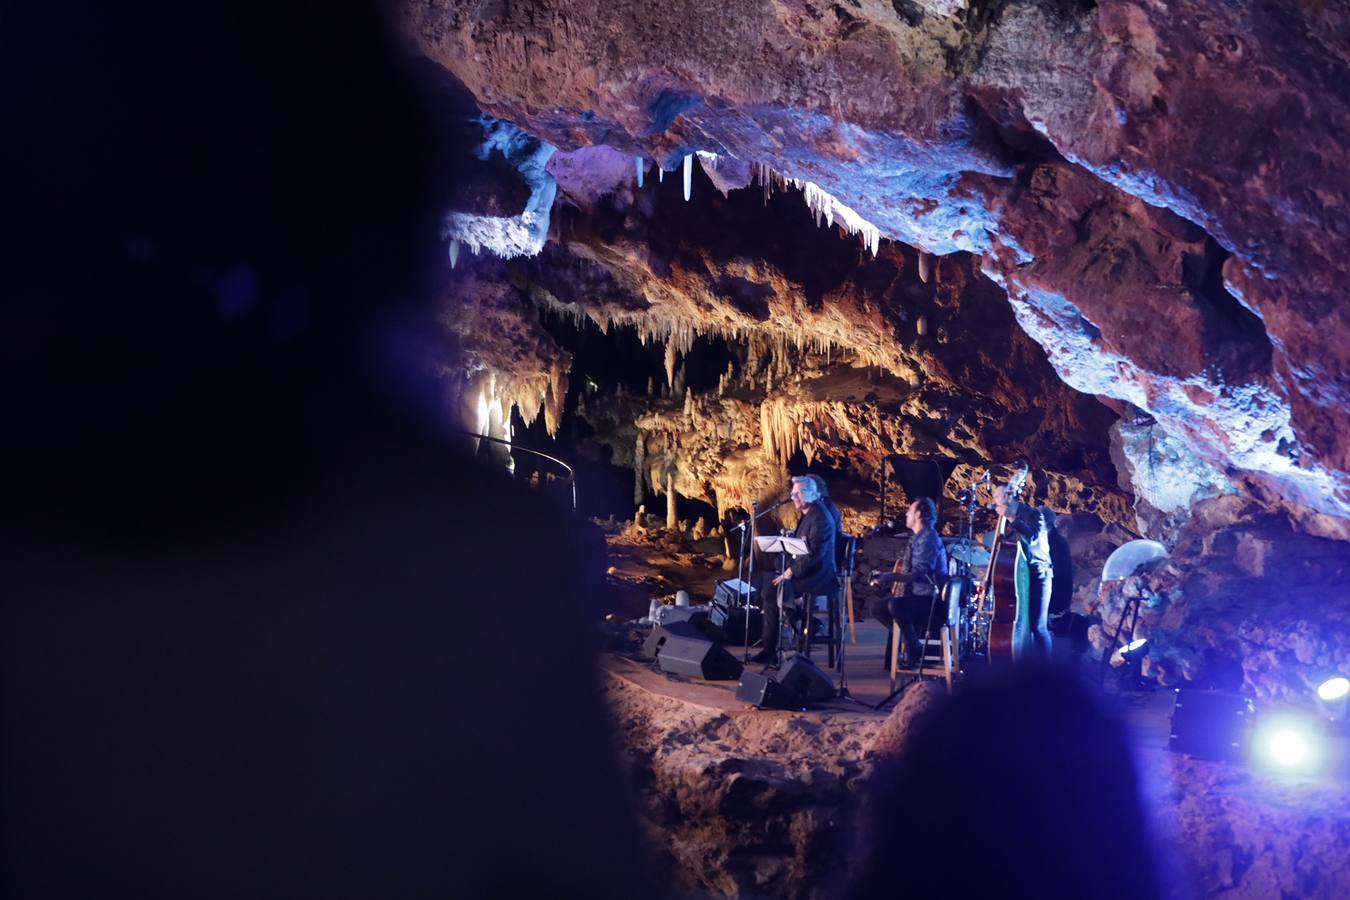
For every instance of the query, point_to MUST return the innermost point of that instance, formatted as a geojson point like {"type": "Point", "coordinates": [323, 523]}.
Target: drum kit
{"type": "Point", "coordinates": [968, 568]}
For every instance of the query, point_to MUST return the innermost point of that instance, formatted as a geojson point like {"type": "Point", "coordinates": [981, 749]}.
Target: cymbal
{"type": "Point", "coordinates": [968, 552]}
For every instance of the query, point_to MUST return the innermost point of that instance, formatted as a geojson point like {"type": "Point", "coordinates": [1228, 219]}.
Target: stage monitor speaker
{"type": "Point", "coordinates": [730, 624]}
{"type": "Point", "coordinates": [1210, 724]}
{"type": "Point", "coordinates": [765, 692]}
{"type": "Point", "coordinates": [662, 633]}
{"type": "Point", "coordinates": [700, 617]}
{"type": "Point", "coordinates": [801, 677]}
{"type": "Point", "coordinates": [698, 657]}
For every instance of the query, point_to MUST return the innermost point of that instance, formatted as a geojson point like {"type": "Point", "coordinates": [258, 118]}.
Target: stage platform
{"type": "Point", "coordinates": [868, 679]}
{"type": "Point", "coordinates": [1146, 714]}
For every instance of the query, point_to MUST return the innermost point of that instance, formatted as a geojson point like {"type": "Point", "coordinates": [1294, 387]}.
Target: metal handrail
{"type": "Point", "coordinates": [570, 477]}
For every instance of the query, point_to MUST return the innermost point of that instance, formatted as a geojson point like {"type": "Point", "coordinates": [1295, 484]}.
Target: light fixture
{"type": "Point", "coordinates": [1333, 689]}
{"type": "Point", "coordinates": [1288, 741]}
{"type": "Point", "coordinates": [1132, 671]}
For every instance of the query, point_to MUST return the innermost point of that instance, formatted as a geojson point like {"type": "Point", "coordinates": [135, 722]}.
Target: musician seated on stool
{"type": "Point", "coordinates": [924, 569]}
{"type": "Point", "coordinates": [809, 575]}
{"type": "Point", "coordinates": [1033, 527]}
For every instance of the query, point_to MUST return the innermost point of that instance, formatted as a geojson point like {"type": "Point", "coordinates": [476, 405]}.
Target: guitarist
{"type": "Point", "coordinates": [925, 563]}
{"type": "Point", "coordinates": [1032, 526]}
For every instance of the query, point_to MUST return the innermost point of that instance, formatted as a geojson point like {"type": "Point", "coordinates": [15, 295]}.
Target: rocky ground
{"type": "Point", "coordinates": [750, 803]}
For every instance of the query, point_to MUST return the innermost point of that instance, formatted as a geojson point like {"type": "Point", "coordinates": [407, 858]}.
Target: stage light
{"type": "Point", "coordinates": [1288, 748]}
{"type": "Point", "coordinates": [1333, 689]}
{"type": "Point", "coordinates": [1288, 743]}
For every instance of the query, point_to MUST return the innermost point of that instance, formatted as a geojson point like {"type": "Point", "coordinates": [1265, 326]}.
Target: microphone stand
{"type": "Point", "coordinates": [748, 582]}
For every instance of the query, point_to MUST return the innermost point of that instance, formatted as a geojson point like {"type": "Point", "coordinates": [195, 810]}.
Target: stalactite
{"type": "Point", "coordinates": [924, 263]}
{"type": "Point", "coordinates": [640, 168]}
{"type": "Point", "coordinates": [670, 363]}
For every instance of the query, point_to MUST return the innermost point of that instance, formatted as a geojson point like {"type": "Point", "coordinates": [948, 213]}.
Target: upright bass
{"type": "Point", "coordinates": [1009, 587]}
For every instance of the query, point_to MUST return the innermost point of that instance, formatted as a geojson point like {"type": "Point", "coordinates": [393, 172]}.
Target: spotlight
{"type": "Point", "coordinates": [1287, 747]}
{"type": "Point", "coordinates": [1132, 672]}
{"type": "Point", "coordinates": [1288, 742]}
{"type": "Point", "coordinates": [1333, 689]}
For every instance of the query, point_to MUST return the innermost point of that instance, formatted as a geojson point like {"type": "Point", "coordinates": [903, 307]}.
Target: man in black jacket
{"type": "Point", "coordinates": [924, 569]}
{"type": "Point", "coordinates": [810, 575]}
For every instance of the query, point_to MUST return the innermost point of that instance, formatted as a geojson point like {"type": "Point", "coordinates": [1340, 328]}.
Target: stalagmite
{"type": "Point", "coordinates": [639, 172]}
{"type": "Point", "coordinates": [671, 520]}
{"type": "Point", "coordinates": [639, 461]}
{"type": "Point", "coordinates": [688, 176]}
{"type": "Point", "coordinates": [921, 326]}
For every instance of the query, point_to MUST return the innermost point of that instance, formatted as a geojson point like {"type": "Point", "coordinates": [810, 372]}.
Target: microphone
{"type": "Point", "coordinates": [760, 512]}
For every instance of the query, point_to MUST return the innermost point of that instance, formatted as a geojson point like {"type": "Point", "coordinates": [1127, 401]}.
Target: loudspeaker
{"type": "Point", "coordinates": [801, 677]}
{"type": "Point", "coordinates": [1210, 724]}
{"type": "Point", "coordinates": [730, 624]}
{"type": "Point", "coordinates": [700, 616]}
{"type": "Point", "coordinates": [765, 692]}
{"type": "Point", "coordinates": [699, 657]}
{"type": "Point", "coordinates": [662, 633]}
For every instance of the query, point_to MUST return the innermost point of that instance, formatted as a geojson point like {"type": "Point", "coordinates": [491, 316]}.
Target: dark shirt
{"type": "Point", "coordinates": [815, 573]}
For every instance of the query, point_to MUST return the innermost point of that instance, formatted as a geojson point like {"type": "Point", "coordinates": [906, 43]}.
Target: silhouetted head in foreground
{"type": "Point", "coordinates": [1020, 786]}
{"type": "Point", "coordinates": [269, 636]}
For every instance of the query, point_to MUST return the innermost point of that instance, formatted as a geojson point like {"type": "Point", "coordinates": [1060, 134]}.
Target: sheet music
{"type": "Point", "coordinates": [776, 543]}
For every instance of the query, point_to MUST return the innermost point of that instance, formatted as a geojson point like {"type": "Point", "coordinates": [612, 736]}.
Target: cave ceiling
{"type": "Point", "coordinates": [922, 227]}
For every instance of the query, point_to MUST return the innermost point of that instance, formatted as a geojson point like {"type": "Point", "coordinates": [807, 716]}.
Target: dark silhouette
{"type": "Point", "coordinates": [1017, 787]}
{"type": "Point", "coordinates": [267, 636]}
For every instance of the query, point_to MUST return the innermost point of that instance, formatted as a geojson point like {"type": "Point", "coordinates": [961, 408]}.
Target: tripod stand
{"type": "Point", "coordinates": [784, 546]}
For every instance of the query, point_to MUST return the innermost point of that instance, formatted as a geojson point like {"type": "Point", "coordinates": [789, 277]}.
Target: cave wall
{"type": "Point", "coordinates": [1159, 188]}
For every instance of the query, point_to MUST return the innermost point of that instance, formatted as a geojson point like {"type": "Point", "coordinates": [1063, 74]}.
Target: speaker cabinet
{"type": "Point", "coordinates": [698, 657]}
{"type": "Point", "coordinates": [1210, 724]}
{"type": "Point", "coordinates": [800, 676]}
{"type": "Point", "coordinates": [765, 692]}
{"type": "Point", "coordinates": [662, 633]}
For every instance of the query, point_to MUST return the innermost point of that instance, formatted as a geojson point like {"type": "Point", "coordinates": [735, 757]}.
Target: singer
{"type": "Point", "coordinates": [809, 575]}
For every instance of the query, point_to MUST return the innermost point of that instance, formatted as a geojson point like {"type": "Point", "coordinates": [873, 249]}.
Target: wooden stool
{"type": "Point", "coordinates": [947, 663]}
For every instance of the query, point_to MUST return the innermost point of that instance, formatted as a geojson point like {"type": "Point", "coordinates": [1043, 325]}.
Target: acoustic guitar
{"type": "Point", "coordinates": [1009, 587]}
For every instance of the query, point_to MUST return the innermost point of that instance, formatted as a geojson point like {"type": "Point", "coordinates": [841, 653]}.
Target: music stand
{"type": "Point", "coordinates": [783, 545]}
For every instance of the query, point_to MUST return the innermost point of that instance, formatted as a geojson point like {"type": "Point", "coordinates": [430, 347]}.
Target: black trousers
{"type": "Point", "coordinates": [910, 611]}
{"type": "Point", "coordinates": [796, 601]}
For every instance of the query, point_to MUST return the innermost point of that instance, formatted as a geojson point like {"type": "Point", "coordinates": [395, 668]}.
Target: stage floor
{"type": "Point", "coordinates": [1146, 714]}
